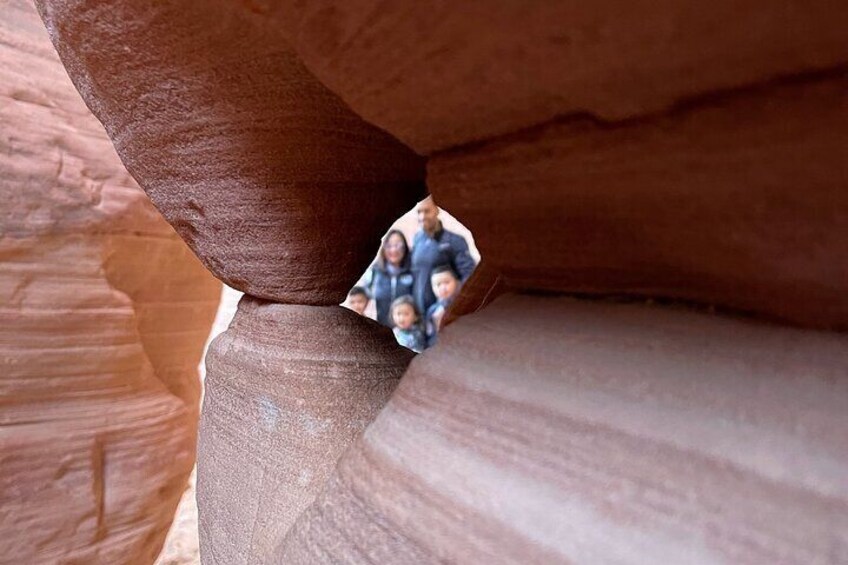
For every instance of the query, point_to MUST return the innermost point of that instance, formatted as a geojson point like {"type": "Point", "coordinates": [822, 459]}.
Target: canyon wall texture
{"type": "Point", "coordinates": [284, 193]}
{"type": "Point", "coordinates": [103, 315]}
{"type": "Point", "coordinates": [288, 387]}
{"type": "Point", "coordinates": [437, 76]}
{"type": "Point", "coordinates": [551, 430]}
{"type": "Point", "coordinates": [670, 149]}
{"type": "Point", "coordinates": [650, 365]}
{"type": "Point", "coordinates": [248, 156]}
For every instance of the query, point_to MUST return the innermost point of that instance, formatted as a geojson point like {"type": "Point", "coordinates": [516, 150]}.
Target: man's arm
{"type": "Point", "coordinates": [462, 259]}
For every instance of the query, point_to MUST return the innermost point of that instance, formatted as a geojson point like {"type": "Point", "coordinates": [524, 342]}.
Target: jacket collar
{"type": "Point", "coordinates": [437, 235]}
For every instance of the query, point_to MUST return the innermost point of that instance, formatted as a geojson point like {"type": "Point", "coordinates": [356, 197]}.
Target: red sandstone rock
{"type": "Point", "coordinates": [438, 75]}
{"type": "Point", "coordinates": [278, 187]}
{"type": "Point", "coordinates": [484, 285]}
{"type": "Point", "coordinates": [538, 430]}
{"type": "Point", "coordinates": [288, 388]}
{"type": "Point", "coordinates": [738, 201]}
{"type": "Point", "coordinates": [103, 316]}
{"type": "Point", "coordinates": [548, 430]}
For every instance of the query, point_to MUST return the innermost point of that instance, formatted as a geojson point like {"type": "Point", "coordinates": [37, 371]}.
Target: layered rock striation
{"type": "Point", "coordinates": [283, 193]}
{"type": "Point", "coordinates": [255, 163]}
{"type": "Point", "coordinates": [288, 388]}
{"type": "Point", "coordinates": [684, 155]}
{"type": "Point", "coordinates": [103, 317]}
{"type": "Point", "coordinates": [736, 201]}
{"type": "Point", "coordinates": [552, 430]}
{"type": "Point", "coordinates": [438, 76]}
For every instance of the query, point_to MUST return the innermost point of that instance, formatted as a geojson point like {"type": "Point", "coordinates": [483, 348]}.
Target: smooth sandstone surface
{"type": "Point", "coordinates": [103, 316]}
{"type": "Point", "coordinates": [288, 388]}
{"type": "Point", "coordinates": [676, 150]}
{"type": "Point", "coordinates": [437, 75]}
{"type": "Point", "coordinates": [483, 286]}
{"type": "Point", "coordinates": [551, 430]}
{"type": "Point", "coordinates": [276, 185]}
{"type": "Point", "coordinates": [737, 201]}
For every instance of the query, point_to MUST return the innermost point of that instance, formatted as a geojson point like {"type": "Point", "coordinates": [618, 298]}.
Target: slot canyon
{"type": "Point", "coordinates": [648, 365]}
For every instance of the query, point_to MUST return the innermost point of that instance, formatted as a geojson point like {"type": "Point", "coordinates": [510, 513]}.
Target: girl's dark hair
{"type": "Point", "coordinates": [401, 300]}
{"type": "Point", "coordinates": [381, 257]}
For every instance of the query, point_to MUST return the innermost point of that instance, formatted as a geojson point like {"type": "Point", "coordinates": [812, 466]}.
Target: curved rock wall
{"type": "Point", "coordinates": [437, 76]}
{"type": "Point", "coordinates": [617, 152]}
{"type": "Point", "coordinates": [737, 201]}
{"type": "Point", "coordinates": [248, 156]}
{"type": "Point", "coordinates": [103, 317]}
{"type": "Point", "coordinates": [258, 182]}
{"type": "Point", "coordinates": [551, 430]}
{"type": "Point", "coordinates": [676, 153]}
{"type": "Point", "coordinates": [288, 388]}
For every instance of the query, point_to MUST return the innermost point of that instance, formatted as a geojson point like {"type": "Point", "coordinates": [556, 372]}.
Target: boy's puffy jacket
{"type": "Point", "coordinates": [444, 248]}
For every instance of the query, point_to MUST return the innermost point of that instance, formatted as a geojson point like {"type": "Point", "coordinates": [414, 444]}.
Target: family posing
{"type": "Point", "coordinates": [412, 288]}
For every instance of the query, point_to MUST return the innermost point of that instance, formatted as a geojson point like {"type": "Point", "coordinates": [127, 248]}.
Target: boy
{"type": "Point", "coordinates": [445, 285]}
{"type": "Point", "coordinates": [357, 300]}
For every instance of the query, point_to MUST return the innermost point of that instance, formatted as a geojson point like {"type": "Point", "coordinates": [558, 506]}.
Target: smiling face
{"type": "Point", "coordinates": [444, 285]}
{"type": "Point", "coordinates": [394, 249]}
{"type": "Point", "coordinates": [403, 316]}
{"type": "Point", "coordinates": [428, 215]}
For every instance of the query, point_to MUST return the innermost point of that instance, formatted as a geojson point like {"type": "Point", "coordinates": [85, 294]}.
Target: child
{"type": "Point", "coordinates": [406, 323]}
{"type": "Point", "coordinates": [445, 286]}
{"type": "Point", "coordinates": [357, 300]}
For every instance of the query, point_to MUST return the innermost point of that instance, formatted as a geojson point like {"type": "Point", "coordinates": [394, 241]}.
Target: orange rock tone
{"type": "Point", "coordinates": [288, 388]}
{"type": "Point", "coordinates": [103, 316]}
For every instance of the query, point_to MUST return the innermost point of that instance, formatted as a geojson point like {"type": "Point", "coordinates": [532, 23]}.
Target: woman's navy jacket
{"type": "Point", "coordinates": [384, 288]}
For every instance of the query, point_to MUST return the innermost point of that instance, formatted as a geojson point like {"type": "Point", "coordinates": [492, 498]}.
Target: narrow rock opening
{"type": "Point", "coordinates": [417, 273]}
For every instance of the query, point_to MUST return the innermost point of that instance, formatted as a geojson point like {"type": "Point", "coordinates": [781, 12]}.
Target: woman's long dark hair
{"type": "Point", "coordinates": [381, 258]}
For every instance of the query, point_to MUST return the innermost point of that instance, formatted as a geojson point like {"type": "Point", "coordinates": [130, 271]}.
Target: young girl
{"type": "Point", "coordinates": [407, 324]}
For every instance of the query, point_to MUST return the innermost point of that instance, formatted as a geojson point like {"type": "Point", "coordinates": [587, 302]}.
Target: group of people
{"type": "Point", "coordinates": [413, 287]}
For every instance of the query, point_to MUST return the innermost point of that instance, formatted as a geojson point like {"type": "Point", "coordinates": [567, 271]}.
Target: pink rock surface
{"type": "Point", "coordinates": [550, 430]}
{"type": "Point", "coordinates": [736, 201]}
{"type": "Point", "coordinates": [668, 150]}
{"type": "Point", "coordinates": [483, 286]}
{"type": "Point", "coordinates": [288, 388]}
{"type": "Point", "coordinates": [255, 163]}
{"type": "Point", "coordinates": [438, 75]}
{"type": "Point", "coordinates": [103, 316]}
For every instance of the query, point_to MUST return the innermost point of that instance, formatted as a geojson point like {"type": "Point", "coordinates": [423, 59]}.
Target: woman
{"type": "Point", "coordinates": [390, 275]}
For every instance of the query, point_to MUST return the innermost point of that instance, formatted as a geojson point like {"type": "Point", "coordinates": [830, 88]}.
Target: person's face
{"type": "Point", "coordinates": [444, 285]}
{"type": "Point", "coordinates": [428, 215]}
{"type": "Point", "coordinates": [394, 248]}
{"type": "Point", "coordinates": [358, 303]}
{"type": "Point", "coordinates": [403, 316]}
